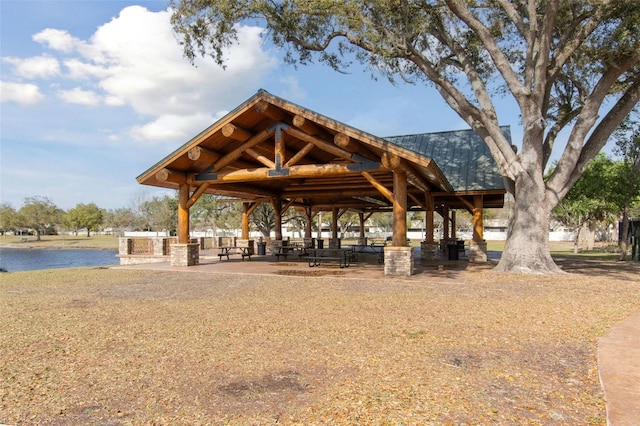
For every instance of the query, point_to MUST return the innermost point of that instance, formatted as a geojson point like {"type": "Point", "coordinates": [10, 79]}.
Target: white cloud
{"type": "Point", "coordinates": [79, 96]}
{"type": "Point", "coordinates": [294, 91]}
{"type": "Point", "coordinates": [134, 60]}
{"type": "Point", "coordinates": [24, 94]}
{"type": "Point", "coordinates": [176, 128]}
{"type": "Point", "coordinates": [44, 66]}
{"type": "Point", "coordinates": [57, 40]}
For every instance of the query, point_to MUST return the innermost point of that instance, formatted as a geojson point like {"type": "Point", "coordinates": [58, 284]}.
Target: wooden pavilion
{"type": "Point", "coordinates": [271, 150]}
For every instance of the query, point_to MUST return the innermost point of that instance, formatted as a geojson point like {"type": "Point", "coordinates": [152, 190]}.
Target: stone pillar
{"type": "Point", "coordinates": [477, 251]}
{"type": "Point", "coordinates": [398, 260]}
{"type": "Point", "coordinates": [428, 250]}
{"type": "Point", "coordinates": [185, 254]}
{"type": "Point", "coordinates": [125, 246]}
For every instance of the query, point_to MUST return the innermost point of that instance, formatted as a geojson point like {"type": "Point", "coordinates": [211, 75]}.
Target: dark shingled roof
{"type": "Point", "coordinates": [462, 156]}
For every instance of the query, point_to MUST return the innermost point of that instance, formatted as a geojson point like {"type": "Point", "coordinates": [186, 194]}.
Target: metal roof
{"type": "Point", "coordinates": [463, 157]}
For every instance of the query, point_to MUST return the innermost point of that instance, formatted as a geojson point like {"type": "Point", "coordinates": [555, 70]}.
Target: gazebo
{"type": "Point", "coordinates": [271, 150]}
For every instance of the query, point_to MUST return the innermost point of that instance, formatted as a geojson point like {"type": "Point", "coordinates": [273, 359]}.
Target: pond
{"type": "Point", "coordinates": [12, 259]}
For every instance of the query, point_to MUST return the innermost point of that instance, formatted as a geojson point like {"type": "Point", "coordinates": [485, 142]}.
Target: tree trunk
{"type": "Point", "coordinates": [624, 237]}
{"type": "Point", "coordinates": [527, 247]}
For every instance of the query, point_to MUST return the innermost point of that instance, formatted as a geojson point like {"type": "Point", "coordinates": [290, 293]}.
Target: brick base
{"type": "Point", "coordinates": [477, 252]}
{"type": "Point", "coordinates": [398, 261]}
{"type": "Point", "coordinates": [428, 250]}
{"type": "Point", "coordinates": [185, 254]}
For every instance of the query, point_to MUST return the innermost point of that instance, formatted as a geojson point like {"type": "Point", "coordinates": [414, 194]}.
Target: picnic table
{"type": "Point", "coordinates": [374, 247]}
{"type": "Point", "coordinates": [315, 257]}
{"type": "Point", "coordinates": [287, 250]}
{"type": "Point", "coordinates": [225, 251]}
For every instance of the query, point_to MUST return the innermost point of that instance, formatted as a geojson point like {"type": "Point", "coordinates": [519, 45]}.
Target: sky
{"type": "Point", "coordinates": [96, 92]}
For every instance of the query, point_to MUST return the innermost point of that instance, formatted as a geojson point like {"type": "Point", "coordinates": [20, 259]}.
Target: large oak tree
{"type": "Point", "coordinates": [570, 65]}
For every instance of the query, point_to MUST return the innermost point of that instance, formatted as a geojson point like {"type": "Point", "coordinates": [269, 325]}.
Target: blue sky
{"type": "Point", "coordinates": [96, 92]}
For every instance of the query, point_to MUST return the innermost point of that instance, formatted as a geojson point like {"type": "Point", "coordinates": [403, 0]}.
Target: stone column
{"type": "Point", "coordinates": [398, 261]}
{"type": "Point", "coordinates": [185, 254]}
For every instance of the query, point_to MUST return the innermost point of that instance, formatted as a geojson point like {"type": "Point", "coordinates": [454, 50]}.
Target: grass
{"type": "Point", "coordinates": [61, 241]}
{"type": "Point", "coordinates": [112, 346]}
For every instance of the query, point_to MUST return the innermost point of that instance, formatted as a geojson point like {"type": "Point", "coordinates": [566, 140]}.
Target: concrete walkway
{"type": "Point", "coordinates": [619, 369]}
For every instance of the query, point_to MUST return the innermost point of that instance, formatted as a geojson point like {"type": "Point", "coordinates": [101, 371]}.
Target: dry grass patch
{"type": "Point", "coordinates": [111, 347]}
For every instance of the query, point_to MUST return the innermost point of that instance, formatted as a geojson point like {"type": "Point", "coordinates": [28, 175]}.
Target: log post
{"type": "Point", "coordinates": [277, 209]}
{"type": "Point", "coordinates": [183, 214]}
{"type": "Point", "coordinates": [279, 155]}
{"type": "Point", "coordinates": [453, 225]}
{"type": "Point", "coordinates": [245, 221]}
{"type": "Point", "coordinates": [308, 212]}
{"type": "Point", "coordinates": [477, 219]}
{"type": "Point", "coordinates": [428, 217]}
{"type": "Point", "coordinates": [334, 223]}
{"type": "Point", "coordinates": [399, 238]}
{"type": "Point", "coordinates": [361, 219]}
{"type": "Point", "coordinates": [478, 246]}
{"type": "Point", "coordinates": [445, 222]}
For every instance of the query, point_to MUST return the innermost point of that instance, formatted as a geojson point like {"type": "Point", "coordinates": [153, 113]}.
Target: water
{"type": "Point", "coordinates": [14, 260]}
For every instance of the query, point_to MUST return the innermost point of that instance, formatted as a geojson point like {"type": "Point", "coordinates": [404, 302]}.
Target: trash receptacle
{"type": "Point", "coordinates": [320, 244]}
{"type": "Point", "coordinates": [452, 249]}
{"type": "Point", "coordinates": [262, 248]}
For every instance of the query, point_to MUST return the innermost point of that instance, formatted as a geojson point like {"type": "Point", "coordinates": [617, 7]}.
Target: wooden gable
{"type": "Point", "coordinates": [269, 148]}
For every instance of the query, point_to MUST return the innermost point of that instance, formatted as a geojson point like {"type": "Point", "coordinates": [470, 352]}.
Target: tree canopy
{"type": "Point", "coordinates": [570, 66]}
{"type": "Point", "coordinates": [87, 216]}
{"type": "Point", "coordinates": [39, 213]}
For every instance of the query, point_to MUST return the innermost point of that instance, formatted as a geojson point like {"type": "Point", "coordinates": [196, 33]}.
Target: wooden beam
{"type": "Point", "coordinates": [307, 126]}
{"type": "Point", "coordinates": [279, 149]}
{"type": "Point", "coordinates": [268, 110]}
{"type": "Point", "coordinates": [289, 204]}
{"type": "Point", "coordinates": [301, 171]}
{"type": "Point", "coordinates": [254, 206]}
{"type": "Point", "coordinates": [197, 194]}
{"type": "Point", "coordinates": [300, 155]}
{"type": "Point", "coordinates": [325, 146]}
{"type": "Point", "coordinates": [416, 200]}
{"type": "Point", "coordinates": [261, 158]}
{"type": "Point", "coordinates": [381, 188]}
{"type": "Point", "coordinates": [198, 153]}
{"type": "Point", "coordinates": [232, 131]}
{"type": "Point", "coordinates": [236, 153]}
{"type": "Point", "coordinates": [345, 142]}
{"type": "Point", "coordinates": [390, 161]}
{"type": "Point", "coordinates": [173, 176]}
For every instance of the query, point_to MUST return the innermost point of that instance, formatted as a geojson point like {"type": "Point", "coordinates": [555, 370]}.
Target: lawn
{"type": "Point", "coordinates": [114, 346]}
{"type": "Point", "coordinates": [109, 242]}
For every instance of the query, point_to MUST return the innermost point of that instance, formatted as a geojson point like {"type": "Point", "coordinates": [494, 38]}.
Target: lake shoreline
{"type": "Point", "coordinates": [27, 246]}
